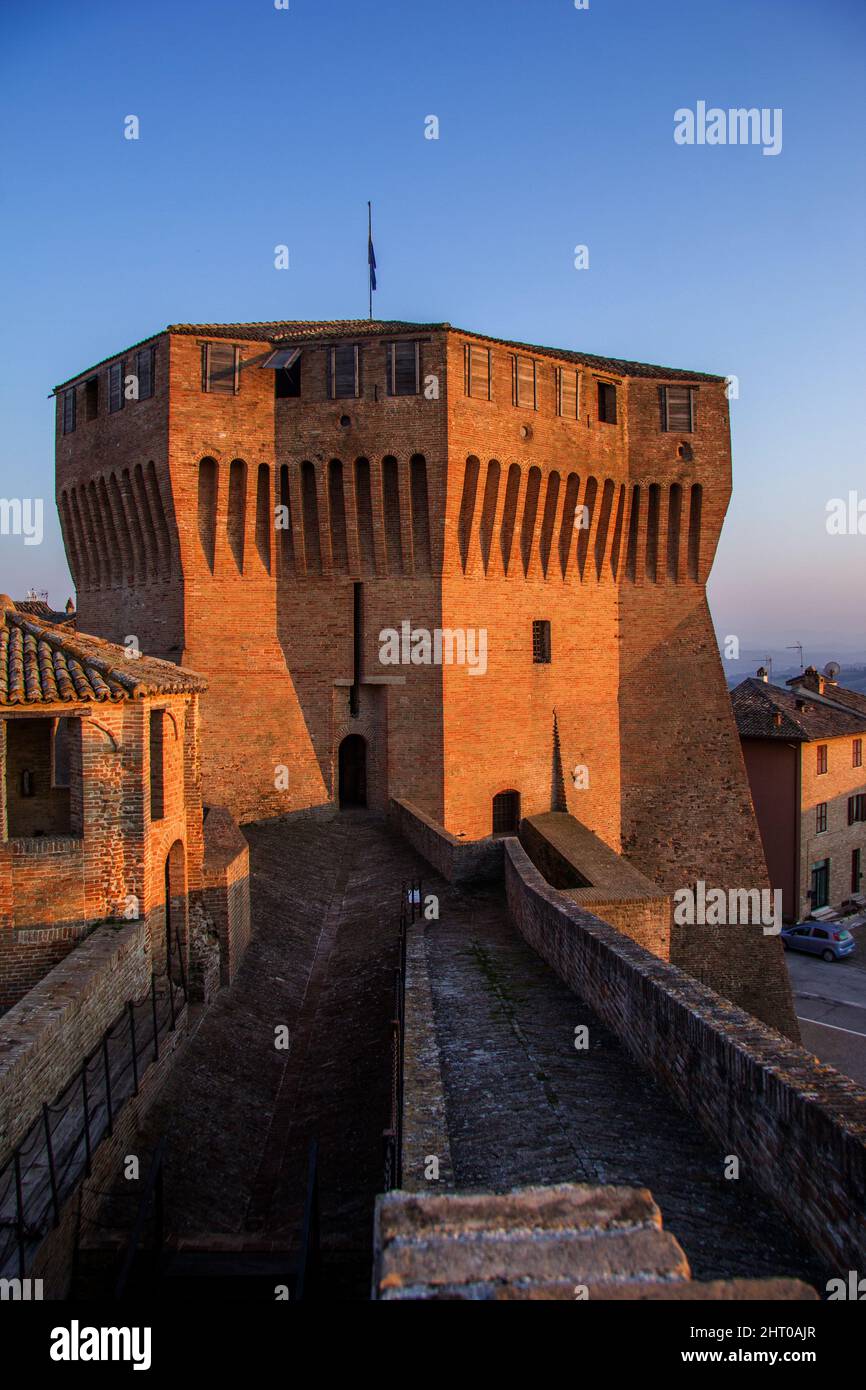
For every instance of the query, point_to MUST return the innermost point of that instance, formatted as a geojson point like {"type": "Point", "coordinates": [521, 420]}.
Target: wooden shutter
{"type": "Point", "coordinates": [144, 372]}
{"type": "Point", "coordinates": [478, 376]}
{"type": "Point", "coordinates": [526, 383]}
{"type": "Point", "coordinates": [679, 413]}
{"type": "Point", "coordinates": [567, 392]}
{"type": "Point", "coordinates": [403, 378]}
{"type": "Point", "coordinates": [115, 386]}
{"type": "Point", "coordinates": [344, 370]}
{"type": "Point", "coordinates": [221, 368]}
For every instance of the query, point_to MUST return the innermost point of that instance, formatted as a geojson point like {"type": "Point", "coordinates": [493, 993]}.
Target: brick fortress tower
{"type": "Point", "coordinates": [260, 502]}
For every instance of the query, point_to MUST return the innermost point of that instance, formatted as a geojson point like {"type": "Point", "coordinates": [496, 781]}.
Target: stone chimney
{"type": "Point", "coordinates": [70, 606]}
{"type": "Point", "coordinates": [762, 674]}
{"type": "Point", "coordinates": [813, 680]}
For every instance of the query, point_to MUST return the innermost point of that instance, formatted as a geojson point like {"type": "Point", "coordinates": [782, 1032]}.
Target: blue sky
{"type": "Point", "coordinates": [262, 126]}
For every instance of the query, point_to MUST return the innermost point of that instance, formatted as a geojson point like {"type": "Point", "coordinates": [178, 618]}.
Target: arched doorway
{"type": "Point", "coordinates": [506, 813]}
{"type": "Point", "coordinates": [175, 914]}
{"type": "Point", "coordinates": [353, 771]}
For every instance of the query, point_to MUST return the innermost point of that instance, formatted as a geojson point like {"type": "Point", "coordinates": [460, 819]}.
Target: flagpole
{"type": "Point", "coordinates": [369, 244]}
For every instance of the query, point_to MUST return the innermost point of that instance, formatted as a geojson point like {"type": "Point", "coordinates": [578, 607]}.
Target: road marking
{"type": "Point", "coordinates": [834, 1026]}
{"type": "Point", "coordinates": [825, 999]}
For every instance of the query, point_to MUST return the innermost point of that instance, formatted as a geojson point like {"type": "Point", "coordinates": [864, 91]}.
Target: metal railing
{"type": "Point", "coordinates": [56, 1153]}
{"type": "Point", "coordinates": [392, 1138]}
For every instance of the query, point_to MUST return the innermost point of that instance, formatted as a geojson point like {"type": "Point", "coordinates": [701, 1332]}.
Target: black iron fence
{"type": "Point", "coordinates": [411, 900]}
{"type": "Point", "coordinates": [56, 1153]}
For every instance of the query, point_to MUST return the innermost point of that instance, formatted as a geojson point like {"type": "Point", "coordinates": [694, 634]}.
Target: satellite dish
{"type": "Point", "coordinates": [832, 670]}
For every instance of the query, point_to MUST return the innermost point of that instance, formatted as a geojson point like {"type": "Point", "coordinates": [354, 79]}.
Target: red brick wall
{"type": "Point", "coordinates": [635, 681]}
{"type": "Point", "coordinates": [53, 890]}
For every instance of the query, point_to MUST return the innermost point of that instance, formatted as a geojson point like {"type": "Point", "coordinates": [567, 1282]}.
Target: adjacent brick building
{"type": "Point", "coordinates": [803, 746]}
{"type": "Point", "coordinates": [101, 813]}
{"type": "Point", "coordinates": [297, 510]}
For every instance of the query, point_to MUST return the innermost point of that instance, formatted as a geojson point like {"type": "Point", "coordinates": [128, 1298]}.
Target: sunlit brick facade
{"type": "Point", "coordinates": [264, 521]}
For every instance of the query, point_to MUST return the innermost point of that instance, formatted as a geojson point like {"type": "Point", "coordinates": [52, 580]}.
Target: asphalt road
{"type": "Point", "coordinates": [830, 1000]}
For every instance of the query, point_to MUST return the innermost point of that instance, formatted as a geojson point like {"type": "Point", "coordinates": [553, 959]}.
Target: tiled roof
{"type": "Point", "coordinates": [756, 704]}
{"type": "Point", "coordinates": [297, 330]}
{"type": "Point", "coordinates": [43, 663]}
{"type": "Point", "coordinates": [38, 608]}
{"type": "Point", "coordinates": [854, 700]}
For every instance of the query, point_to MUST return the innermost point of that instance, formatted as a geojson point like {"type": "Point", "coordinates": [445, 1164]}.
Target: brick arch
{"type": "Point", "coordinates": [175, 914]}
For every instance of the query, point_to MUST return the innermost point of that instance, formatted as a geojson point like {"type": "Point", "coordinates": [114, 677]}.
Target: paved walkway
{"type": "Point", "coordinates": [239, 1113]}
{"type": "Point", "coordinates": [523, 1105]}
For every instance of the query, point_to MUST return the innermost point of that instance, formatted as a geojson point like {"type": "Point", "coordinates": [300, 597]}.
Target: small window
{"type": "Point", "coordinates": [115, 387]}
{"type": "Point", "coordinates": [61, 752]}
{"type": "Point", "coordinates": [856, 808]}
{"type": "Point", "coordinates": [506, 813]}
{"type": "Point", "coordinates": [523, 383]}
{"type": "Point", "coordinates": [220, 368]}
{"type": "Point", "coordinates": [91, 398]}
{"type": "Point", "coordinates": [822, 758]}
{"type": "Point", "coordinates": [567, 402]}
{"type": "Point", "coordinates": [678, 409]}
{"type": "Point", "coordinates": [343, 371]}
{"type": "Point", "coordinates": [476, 367]}
{"type": "Point", "coordinates": [144, 372]}
{"type": "Point", "coordinates": [287, 376]}
{"type": "Point", "coordinates": [404, 369]}
{"type": "Point", "coordinates": [69, 410]}
{"type": "Point", "coordinates": [607, 402]}
{"type": "Point", "coordinates": [541, 642]}
{"type": "Point", "coordinates": [857, 753]}
{"type": "Point", "coordinates": [821, 934]}
{"type": "Point", "coordinates": [157, 769]}
{"type": "Point", "coordinates": [821, 817]}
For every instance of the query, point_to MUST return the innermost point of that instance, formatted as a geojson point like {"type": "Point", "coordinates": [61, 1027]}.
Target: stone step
{"type": "Point", "coordinates": [569, 1241]}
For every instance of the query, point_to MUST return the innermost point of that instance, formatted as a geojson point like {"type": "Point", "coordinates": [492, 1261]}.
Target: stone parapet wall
{"type": "Point", "coordinates": [46, 1035]}
{"type": "Point", "coordinates": [459, 861]}
{"type": "Point", "coordinates": [768, 1101]}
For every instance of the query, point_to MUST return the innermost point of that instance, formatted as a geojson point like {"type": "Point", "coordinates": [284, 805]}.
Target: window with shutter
{"type": "Point", "coordinates": [523, 381]}
{"type": "Point", "coordinates": [404, 369]}
{"type": "Point", "coordinates": [115, 386]}
{"type": "Point", "coordinates": [566, 393]}
{"type": "Point", "coordinates": [91, 398]}
{"type": "Point", "coordinates": [679, 413]}
{"type": "Point", "coordinates": [144, 372]}
{"type": "Point", "coordinates": [220, 363]}
{"type": "Point", "coordinates": [69, 410]}
{"type": "Point", "coordinates": [343, 371]}
{"type": "Point", "coordinates": [607, 402]}
{"type": "Point", "coordinates": [477, 371]}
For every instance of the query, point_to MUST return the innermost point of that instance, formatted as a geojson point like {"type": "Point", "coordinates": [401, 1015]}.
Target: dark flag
{"type": "Point", "coordinates": [371, 255]}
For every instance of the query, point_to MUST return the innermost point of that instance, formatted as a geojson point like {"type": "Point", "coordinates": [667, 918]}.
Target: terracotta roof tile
{"type": "Point", "coordinates": [43, 663]}
{"type": "Point", "coordinates": [756, 704]}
